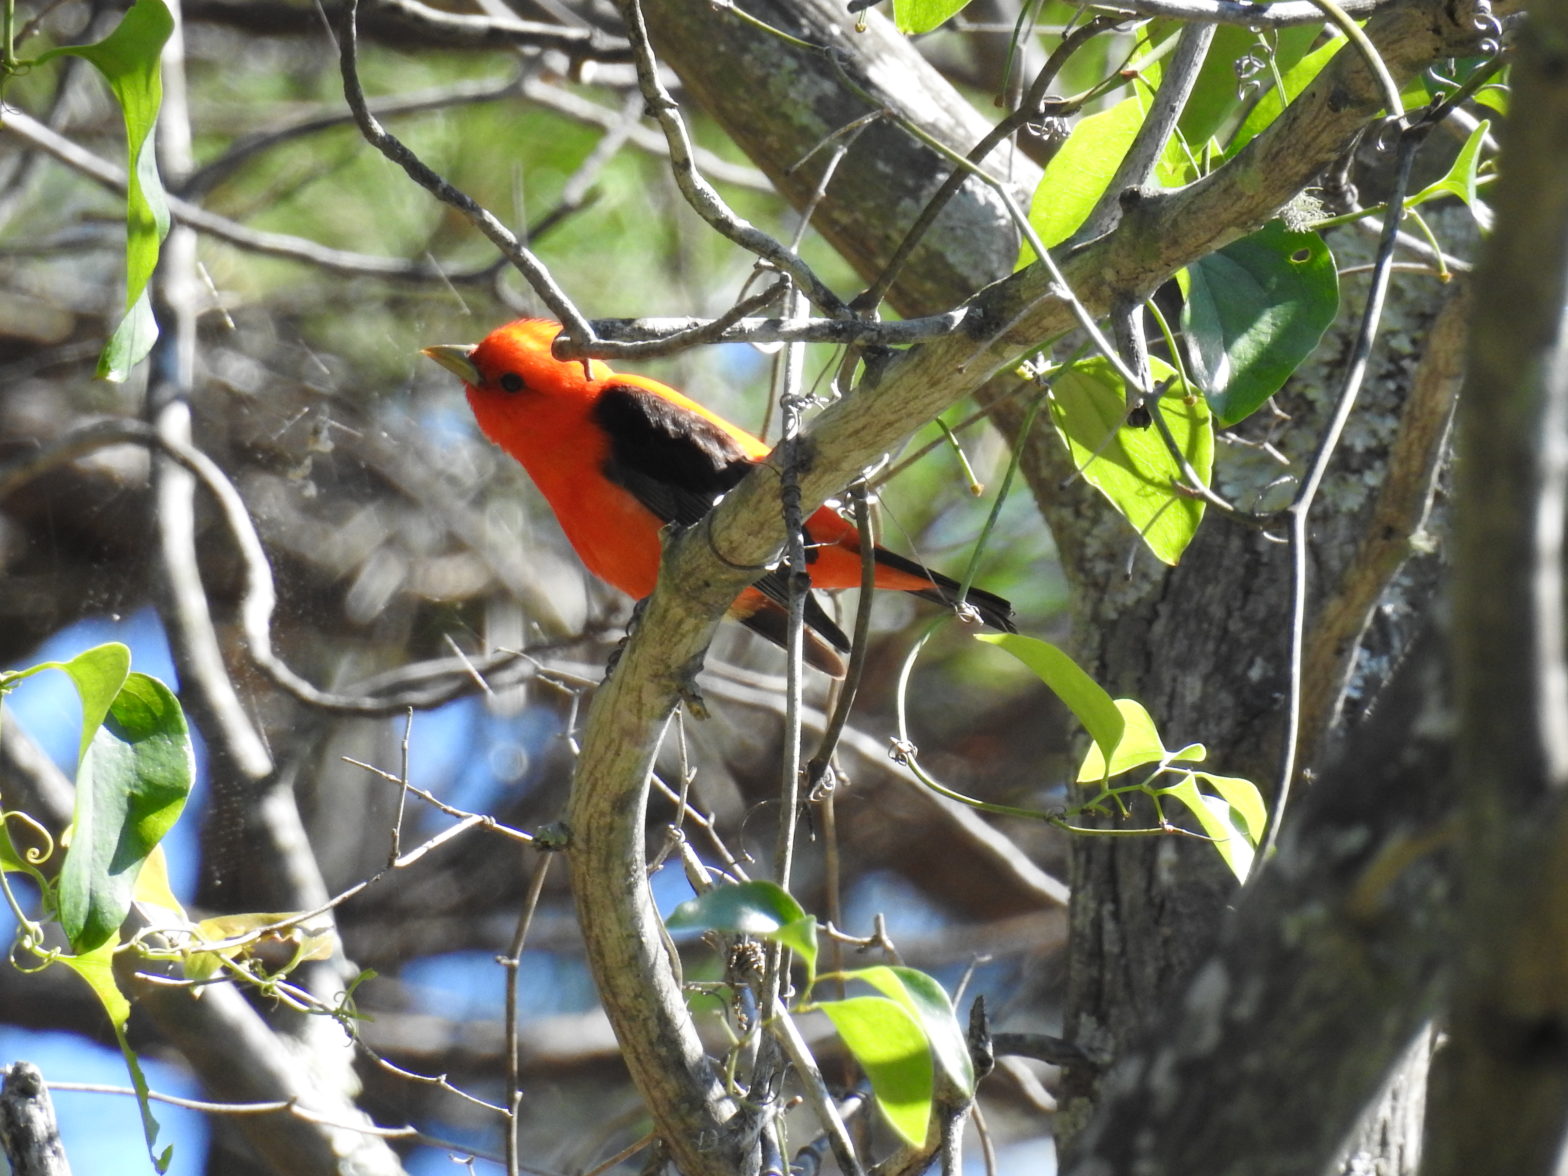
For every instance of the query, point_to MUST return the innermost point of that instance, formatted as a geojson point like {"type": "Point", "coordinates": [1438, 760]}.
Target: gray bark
{"type": "Point", "coordinates": [27, 1125]}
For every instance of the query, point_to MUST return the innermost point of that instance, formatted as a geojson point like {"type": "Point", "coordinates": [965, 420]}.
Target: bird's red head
{"type": "Point", "coordinates": [515, 359]}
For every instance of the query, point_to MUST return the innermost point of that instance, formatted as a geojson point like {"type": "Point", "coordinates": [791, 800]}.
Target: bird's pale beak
{"type": "Point", "coordinates": [457, 358]}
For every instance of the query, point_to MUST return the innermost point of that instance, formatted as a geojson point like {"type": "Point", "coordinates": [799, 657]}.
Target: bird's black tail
{"type": "Point", "coordinates": [992, 609]}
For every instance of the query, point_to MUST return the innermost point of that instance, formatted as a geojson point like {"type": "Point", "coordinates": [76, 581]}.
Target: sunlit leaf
{"type": "Point", "coordinates": [1130, 466]}
{"type": "Point", "coordinates": [1231, 828]}
{"type": "Point", "coordinates": [1138, 746]}
{"type": "Point", "coordinates": [1079, 172]}
{"type": "Point", "coordinates": [1215, 100]}
{"type": "Point", "coordinates": [96, 967]}
{"type": "Point", "coordinates": [921, 16]}
{"type": "Point", "coordinates": [1245, 800]}
{"type": "Point", "coordinates": [1462, 178]}
{"type": "Point", "coordinates": [1253, 311]}
{"type": "Point", "coordinates": [928, 1002]}
{"type": "Point", "coordinates": [890, 1046]}
{"type": "Point", "coordinates": [1296, 79]}
{"type": "Point", "coordinates": [206, 953]}
{"type": "Point", "coordinates": [154, 896]}
{"type": "Point", "coordinates": [97, 673]}
{"type": "Point", "coordinates": [1494, 98]}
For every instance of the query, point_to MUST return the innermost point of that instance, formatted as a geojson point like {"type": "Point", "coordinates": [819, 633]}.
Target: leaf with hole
{"type": "Point", "coordinates": [1253, 311]}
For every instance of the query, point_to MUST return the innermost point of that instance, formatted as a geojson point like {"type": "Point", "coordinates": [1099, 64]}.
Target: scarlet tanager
{"type": "Point", "coordinates": [619, 457]}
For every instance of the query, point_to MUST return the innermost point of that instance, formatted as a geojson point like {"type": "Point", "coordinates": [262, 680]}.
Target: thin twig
{"type": "Point", "coordinates": [262, 241]}
{"type": "Point", "coordinates": [1300, 509]}
{"type": "Point", "coordinates": [820, 765]}
{"type": "Point", "coordinates": [531, 268]}
{"type": "Point", "coordinates": [513, 963]}
{"type": "Point", "coordinates": [702, 197]}
{"type": "Point", "coordinates": [287, 1107]}
{"type": "Point", "coordinates": [1031, 107]}
{"type": "Point", "coordinates": [209, 175]}
{"type": "Point", "coordinates": [644, 138]}
{"type": "Point", "coordinates": [657, 337]}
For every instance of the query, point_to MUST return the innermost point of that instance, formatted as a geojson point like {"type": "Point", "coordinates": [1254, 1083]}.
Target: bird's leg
{"type": "Point", "coordinates": [631, 627]}
{"type": "Point", "coordinates": [689, 693]}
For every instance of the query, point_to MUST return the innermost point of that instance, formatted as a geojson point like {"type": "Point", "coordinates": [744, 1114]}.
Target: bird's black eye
{"type": "Point", "coordinates": [511, 382]}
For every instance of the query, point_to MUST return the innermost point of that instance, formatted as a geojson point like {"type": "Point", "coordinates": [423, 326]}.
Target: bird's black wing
{"type": "Point", "coordinates": [678, 464]}
{"type": "Point", "coordinates": [674, 462]}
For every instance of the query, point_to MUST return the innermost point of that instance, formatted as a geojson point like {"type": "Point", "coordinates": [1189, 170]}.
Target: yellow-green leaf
{"type": "Point", "coordinates": [887, 1041]}
{"type": "Point", "coordinates": [1132, 467]}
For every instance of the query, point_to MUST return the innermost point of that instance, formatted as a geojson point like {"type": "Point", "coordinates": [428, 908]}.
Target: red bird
{"type": "Point", "coordinates": [620, 457]}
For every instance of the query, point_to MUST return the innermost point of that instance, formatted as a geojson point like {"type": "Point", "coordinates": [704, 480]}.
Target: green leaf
{"type": "Point", "coordinates": [1234, 830]}
{"type": "Point", "coordinates": [887, 1041]}
{"type": "Point", "coordinates": [203, 959]}
{"type": "Point", "coordinates": [1245, 801]}
{"type": "Point", "coordinates": [128, 58]}
{"type": "Point", "coordinates": [927, 1002]}
{"type": "Point", "coordinates": [1296, 79]}
{"type": "Point", "coordinates": [1078, 174]}
{"type": "Point", "coordinates": [1088, 701]}
{"type": "Point", "coordinates": [1139, 745]}
{"type": "Point", "coordinates": [921, 16]}
{"type": "Point", "coordinates": [96, 967]}
{"type": "Point", "coordinates": [1494, 97]}
{"type": "Point", "coordinates": [763, 909]}
{"type": "Point", "coordinates": [1132, 467]}
{"type": "Point", "coordinates": [97, 673]}
{"type": "Point", "coordinates": [1254, 310]}
{"type": "Point", "coordinates": [1214, 103]}
{"type": "Point", "coordinates": [130, 788]}
{"type": "Point", "coordinates": [1461, 180]}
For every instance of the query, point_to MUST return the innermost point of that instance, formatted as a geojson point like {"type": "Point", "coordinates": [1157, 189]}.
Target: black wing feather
{"type": "Point", "coordinates": [678, 464]}
{"type": "Point", "coordinates": [674, 462]}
